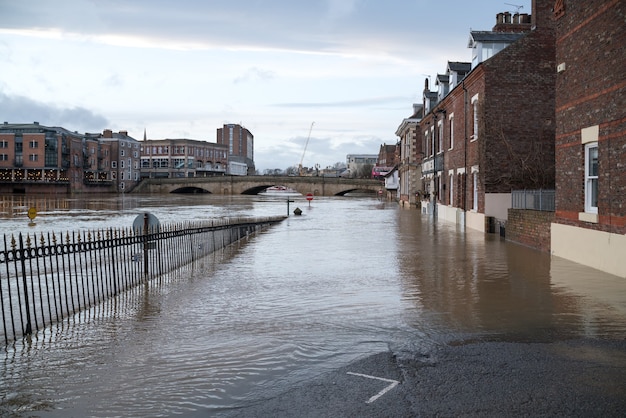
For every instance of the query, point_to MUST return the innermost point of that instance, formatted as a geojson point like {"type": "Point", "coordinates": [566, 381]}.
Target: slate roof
{"type": "Point", "coordinates": [489, 36]}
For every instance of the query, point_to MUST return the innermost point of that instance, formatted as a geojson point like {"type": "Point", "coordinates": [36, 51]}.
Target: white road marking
{"type": "Point", "coordinates": [393, 384]}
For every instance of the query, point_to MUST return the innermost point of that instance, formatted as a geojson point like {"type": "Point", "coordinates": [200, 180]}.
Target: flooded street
{"type": "Point", "coordinates": [349, 278]}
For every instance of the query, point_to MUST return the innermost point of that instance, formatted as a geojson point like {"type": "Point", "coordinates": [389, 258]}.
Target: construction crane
{"type": "Point", "coordinates": [306, 144]}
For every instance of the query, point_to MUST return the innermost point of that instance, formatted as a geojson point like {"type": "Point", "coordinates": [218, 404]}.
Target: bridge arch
{"type": "Point", "coordinates": [190, 190]}
{"type": "Point", "coordinates": [251, 185]}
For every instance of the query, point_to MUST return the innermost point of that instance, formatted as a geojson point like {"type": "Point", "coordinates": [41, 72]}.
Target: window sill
{"type": "Point", "coordinates": [588, 217]}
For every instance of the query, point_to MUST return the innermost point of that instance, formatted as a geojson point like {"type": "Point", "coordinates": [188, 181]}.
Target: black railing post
{"type": "Point", "coordinates": [28, 329]}
{"type": "Point", "coordinates": [145, 246]}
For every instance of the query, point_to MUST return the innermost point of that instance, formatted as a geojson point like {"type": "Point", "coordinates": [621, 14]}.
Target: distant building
{"type": "Point", "coordinates": [409, 158]}
{"type": "Point", "coordinates": [40, 159]}
{"type": "Point", "coordinates": [240, 143]}
{"type": "Point", "coordinates": [125, 157]}
{"type": "Point", "coordinates": [590, 217]}
{"type": "Point", "coordinates": [175, 158]}
{"type": "Point", "coordinates": [360, 165]}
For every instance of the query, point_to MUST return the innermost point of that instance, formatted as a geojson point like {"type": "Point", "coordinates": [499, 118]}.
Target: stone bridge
{"type": "Point", "coordinates": [234, 185]}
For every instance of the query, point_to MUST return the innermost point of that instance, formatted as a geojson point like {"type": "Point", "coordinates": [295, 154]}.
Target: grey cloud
{"type": "Point", "coordinates": [20, 109]}
{"type": "Point", "coordinates": [273, 24]}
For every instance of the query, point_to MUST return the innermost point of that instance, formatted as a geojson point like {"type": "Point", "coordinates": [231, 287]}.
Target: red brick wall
{"type": "Point", "coordinates": [518, 114]}
{"type": "Point", "coordinates": [530, 228]}
{"type": "Point", "coordinates": [591, 91]}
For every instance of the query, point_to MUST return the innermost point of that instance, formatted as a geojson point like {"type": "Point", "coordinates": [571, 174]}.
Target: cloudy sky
{"type": "Point", "coordinates": [183, 68]}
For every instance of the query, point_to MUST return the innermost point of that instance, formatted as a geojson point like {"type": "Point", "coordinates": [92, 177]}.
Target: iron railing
{"type": "Point", "coordinates": [46, 278]}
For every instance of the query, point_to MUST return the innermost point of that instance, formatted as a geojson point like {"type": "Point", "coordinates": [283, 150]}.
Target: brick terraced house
{"type": "Point", "coordinates": [590, 219]}
{"type": "Point", "coordinates": [489, 128]}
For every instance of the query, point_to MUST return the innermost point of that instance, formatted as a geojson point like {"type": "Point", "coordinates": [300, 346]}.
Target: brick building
{"type": "Point", "coordinates": [240, 143]}
{"type": "Point", "coordinates": [41, 159]}
{"type": "Point", "coordinates": [170, 158]}
{"type": "Point", "coordinates": [590, 218]}
{"type": "Point", "coordinates": [387, 157]}
{"type": "Point", "coordinates": [409, 155]}
{"type": "Point", "coordinates": [489, 131]}
{"type": "Point", "coordinates": [125, 159]}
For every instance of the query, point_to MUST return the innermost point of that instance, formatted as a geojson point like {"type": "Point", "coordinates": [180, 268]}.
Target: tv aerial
{"type": "Point", "coordinates": [519, 7]}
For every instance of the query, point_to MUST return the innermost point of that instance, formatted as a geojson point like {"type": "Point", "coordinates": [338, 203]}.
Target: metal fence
{"type": "Point", "coordinates": [533, 200]}
{"type": "Point", "coordinates": [46, 278]}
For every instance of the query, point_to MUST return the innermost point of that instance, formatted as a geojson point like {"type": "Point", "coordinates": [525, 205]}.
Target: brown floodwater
{"type": "Point", "coordinates": [350, 277]}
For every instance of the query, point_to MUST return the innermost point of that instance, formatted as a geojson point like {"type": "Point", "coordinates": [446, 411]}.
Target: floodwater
{"type": "Point", "coordinates": [351, 277]}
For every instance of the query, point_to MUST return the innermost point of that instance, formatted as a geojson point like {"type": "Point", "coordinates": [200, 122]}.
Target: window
{"type": "Point", "coordinates": [440, 195]}
{"type": "Point", "coordinates": [122, 153]}
{"type": "Point", "coordinates": [34, 144]}
{"type": "Point", "coordinates": [451, 184]}
{"type": "Point", "coordinates": [475, 194]}
{"type": "Point", "coordinates": [432, 140]}
{"type": "Point", "coordinates": [475, 117]}
{"type": "Point", "coordinates": [33, 157]}
{"type": "Point", "coordinates": [591, 177]}
{"type": "Point", "coordinates": [4, 144]}
{"type": "Point", "coordinates": [451, 130]}
{"type": "Point", "coordinates": [113, 164]}
{"type": "Point", "coordinates": [475, 188]}
{"type": "Point", "coordinates": [4, 157]}
{"type": "Point", "coordinates": [440, 133]}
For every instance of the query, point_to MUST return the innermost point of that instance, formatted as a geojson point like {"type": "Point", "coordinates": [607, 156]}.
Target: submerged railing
{"type": "Point", "coordinates": [46, 278]}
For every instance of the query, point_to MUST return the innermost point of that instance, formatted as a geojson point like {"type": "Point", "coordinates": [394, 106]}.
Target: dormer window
{"type": "Point", "coordinates": [486, 44]}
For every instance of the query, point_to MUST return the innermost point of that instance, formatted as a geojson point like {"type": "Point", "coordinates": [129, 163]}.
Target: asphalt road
{"type": "Point", "coordinates": [582, 378]}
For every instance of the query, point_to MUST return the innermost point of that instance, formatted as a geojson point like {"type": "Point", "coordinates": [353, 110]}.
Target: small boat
{"type": "Point", "coordinates": [279, 190]}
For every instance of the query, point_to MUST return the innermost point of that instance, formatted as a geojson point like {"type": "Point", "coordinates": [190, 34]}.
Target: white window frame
{"type": "Point", "coordinates": [451, 128]}
{"type": "Point", "coordinates": [440, 134]}
{"type": "Point", "coordinates": [475, 189]}
{"type": "Point", "coordinates": [451, 186]}
{"type": "Point", "coordinates": [591, 180]}
{"type": "Point", "coordinates": [474, 102]}
{"type": "Point", "coordinates": [432, 140]}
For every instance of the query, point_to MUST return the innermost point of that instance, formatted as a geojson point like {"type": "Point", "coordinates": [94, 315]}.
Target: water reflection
{"type": "Point", "coordinates": [476, 284]}
{"type": "Point", "coordinates": [348, 278]}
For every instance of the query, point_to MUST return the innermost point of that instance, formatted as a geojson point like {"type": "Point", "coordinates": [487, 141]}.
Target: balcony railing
{"type": "Point", "coordinates": [533, 200]}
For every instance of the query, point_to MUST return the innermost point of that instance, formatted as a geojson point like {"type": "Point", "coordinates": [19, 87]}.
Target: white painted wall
{"type": "Point", "coordinates": [497, 205]}
{"type": "Point", "coordinates": [475, 221]}
{"type": "Point", "coordinates": [597, 249]}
